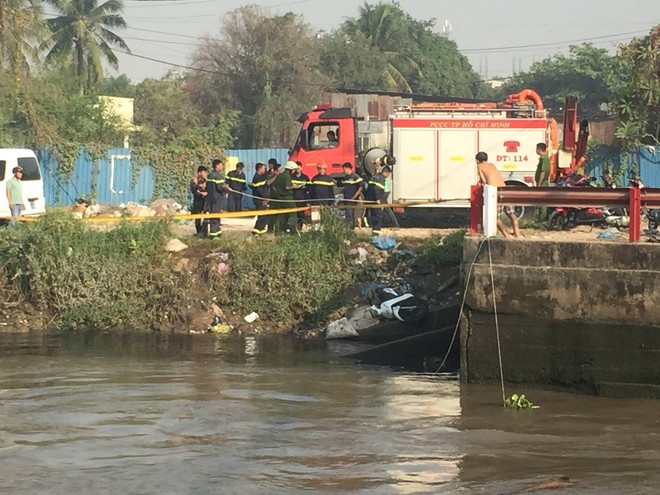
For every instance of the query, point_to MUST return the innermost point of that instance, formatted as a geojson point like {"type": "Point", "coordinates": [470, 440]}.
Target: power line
{"type": "Point", "coordinates": [206, 71]}
{"type": "Point", "coordinates": [163, 32]}
{"type": "Point", "coordinates": [540, 45]}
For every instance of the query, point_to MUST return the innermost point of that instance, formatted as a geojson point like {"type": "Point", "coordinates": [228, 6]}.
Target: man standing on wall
{"type": "Point", "coordinates": [236, 185]}
{"type": "Point", "coordinates": [216, 195]}
{"type": "Point", "coordinates": [15, 193]}
{"type": "Point", "coordinates": [488, 174]}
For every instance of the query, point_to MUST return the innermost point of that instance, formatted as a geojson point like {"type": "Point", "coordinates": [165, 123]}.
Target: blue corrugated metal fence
{"type": "Point", "coordinates": [644, 162]}
{"type": "Point", "coordinates": [111, 178]}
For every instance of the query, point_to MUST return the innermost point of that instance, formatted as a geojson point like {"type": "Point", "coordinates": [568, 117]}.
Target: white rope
{"type": "Point", "coordinates": [460, 312]}
{"type": "Point", "coordinates": [497, 326]}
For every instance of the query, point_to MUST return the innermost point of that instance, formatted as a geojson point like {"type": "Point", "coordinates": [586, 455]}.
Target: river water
{"type": "Point", "coordinates": [107, 414]}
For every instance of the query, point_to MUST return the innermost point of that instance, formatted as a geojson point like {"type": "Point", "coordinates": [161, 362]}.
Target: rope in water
{"type": "Point", "coordinates": [497, 325]}
{"type": "Point", "coordinates": [460, 312]}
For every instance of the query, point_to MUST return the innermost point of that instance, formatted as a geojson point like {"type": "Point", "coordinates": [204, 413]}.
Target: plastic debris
{"type": "Point", "coordinates": [252, 317]}
{"type": "Point", "coordinates": [223, 268]}
{"type": "Point", "coordinates": [218, 326]}
{"type": "Point", "coordinates": [175, 246]}
{"type": "Point", "coordinates": [384, 243]}
{"type": "Point", "coordinates": [608, 234]}
{"type": "Point", "coordinates": [340, 329]}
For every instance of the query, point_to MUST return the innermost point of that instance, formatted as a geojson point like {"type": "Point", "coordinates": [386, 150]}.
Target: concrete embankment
{"type": "Point", "coordinates": [573, 314]}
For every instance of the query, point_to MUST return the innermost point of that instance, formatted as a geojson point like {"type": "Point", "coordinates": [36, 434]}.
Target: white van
{"type": "Point", "coordinates": [33, 185]}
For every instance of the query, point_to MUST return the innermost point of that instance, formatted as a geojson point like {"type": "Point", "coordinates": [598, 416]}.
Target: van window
{"type": "Point", "coordinates": [3, 169]}
{"type": "Point", "coordinates": [30, 168]}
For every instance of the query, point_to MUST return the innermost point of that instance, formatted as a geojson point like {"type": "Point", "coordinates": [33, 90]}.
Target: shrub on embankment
{"type": "Point", "coordinates": [288, 278]}
{"type": "Point", "coordinates": [119, 278]}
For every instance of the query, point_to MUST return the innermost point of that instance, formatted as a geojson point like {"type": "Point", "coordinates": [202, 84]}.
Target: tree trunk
{"type": "Point", "coordinates": [80, 67]}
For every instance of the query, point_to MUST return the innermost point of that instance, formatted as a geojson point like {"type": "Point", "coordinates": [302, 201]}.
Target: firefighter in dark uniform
{"type": "Point", "coordinates": [198, 191]}
{"type": "Point", "coordinates": [216, 189]}
{"type": "Point", "coordinates": [323, 187]}
{"type": "Point", "coordinates": [301, 184]}
{"type": "Point", "coordinates": [375, 194]}
{"type": "Point", "coordinates": [260, 192]}
{"type": "Point", "coordinates": [236, 185]}
{"type": "Point", "coordinates": [353, 186]}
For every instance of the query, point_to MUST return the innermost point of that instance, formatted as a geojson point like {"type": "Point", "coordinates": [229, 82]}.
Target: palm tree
{"type": "Point", "coordinates": [82, 33]}
{"type": "Point", "coordinates": [21, 26]}
{"type": "Point", "coordinates": [382, 25]}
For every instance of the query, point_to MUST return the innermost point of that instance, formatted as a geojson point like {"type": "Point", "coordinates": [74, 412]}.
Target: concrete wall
{"type": "Point", "coordinates": [576, 314]}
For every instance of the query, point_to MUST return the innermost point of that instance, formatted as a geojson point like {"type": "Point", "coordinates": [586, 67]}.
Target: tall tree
{"type": "Point", "coordinates": [387, 27]}
{"type": "Point", "coordinates": [386, 48]}
{"type": "Point", "coordinates": [638, 97]}
{"type": "Point", "coordinates": [82, 33]}
{"type": "Point", "coordinates": [586, 72]}
{"type": "Point", "coordinates": [265, 67]}
{"type": "Point", "coordinates": [21, 28]}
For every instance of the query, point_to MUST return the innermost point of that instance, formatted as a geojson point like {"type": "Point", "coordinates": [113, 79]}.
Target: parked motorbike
{"type": "Point", "coordinates": [652, 215]}
{"type": "Point", "coordinates": [568, 218]}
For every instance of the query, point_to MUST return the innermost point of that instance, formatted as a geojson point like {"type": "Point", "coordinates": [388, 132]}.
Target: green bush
{"type": "Point", "coordinates": [443, 250]}
{"type": "Point", "coordinates": [117, 278]}
{"type": "Point", "coordinates": [289, 277]}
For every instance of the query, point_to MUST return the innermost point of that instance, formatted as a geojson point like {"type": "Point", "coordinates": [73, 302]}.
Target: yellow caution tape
{"type": "Point", "coordinates": [238, 214]}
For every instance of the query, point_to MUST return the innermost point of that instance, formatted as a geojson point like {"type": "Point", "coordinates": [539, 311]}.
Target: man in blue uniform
{"type": "Point", "coordinates": [260, 192]}
{"type": "Point", "coordinates": [301, 185]}
{"type": "Point", "coordinates": [353, 187]}
{"type": "Point", "coordinates": [236, 185]}
{"type": "Point", "coordinates": [375, 194]}
{"type": "Point", "coordinates": [323, 187]}
{"type": "Point", "coordinates": [216, 189]}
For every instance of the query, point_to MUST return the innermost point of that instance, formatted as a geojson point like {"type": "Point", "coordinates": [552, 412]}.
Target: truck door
{"type": "Point", "coordinates": [331, 142]}
{"type": "Point", "coordinates": [415, 173]}
{"type": "Point", "coordinates": [457, 169]}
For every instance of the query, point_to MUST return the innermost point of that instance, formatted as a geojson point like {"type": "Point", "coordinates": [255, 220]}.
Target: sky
{"type": "Point", "coordinates": [497, 36]}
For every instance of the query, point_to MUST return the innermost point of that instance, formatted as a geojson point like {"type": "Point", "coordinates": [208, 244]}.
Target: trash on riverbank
{"type": "Point", "coordinates": [175, 246]}
{"type": "Point", "coordinates": [340, 329]}
{"type": "Point", "coordinates": [252, 317]}
{"type": "Point", "coordinates": [384, 243]}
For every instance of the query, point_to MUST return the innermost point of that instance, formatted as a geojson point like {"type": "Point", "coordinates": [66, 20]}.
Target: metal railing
{"type": "Point", "coordinates": [634, 199]}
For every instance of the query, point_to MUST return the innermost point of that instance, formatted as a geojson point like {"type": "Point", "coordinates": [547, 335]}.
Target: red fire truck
{"type": "Point", "coordinates": [433, 145]}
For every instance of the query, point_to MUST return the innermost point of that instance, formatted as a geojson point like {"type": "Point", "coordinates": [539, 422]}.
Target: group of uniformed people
{"type": "Point", "coordinates": [285, 187]}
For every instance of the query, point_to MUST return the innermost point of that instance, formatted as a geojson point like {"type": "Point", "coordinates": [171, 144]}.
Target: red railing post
{"type": "Point", "coordinates": [635, 213]}
{"type": "Point", "coordinates": [476, 208]}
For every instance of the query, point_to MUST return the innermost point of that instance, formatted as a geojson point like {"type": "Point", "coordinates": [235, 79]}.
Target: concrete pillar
{"type": "Point", "coordinates": [490, 210]}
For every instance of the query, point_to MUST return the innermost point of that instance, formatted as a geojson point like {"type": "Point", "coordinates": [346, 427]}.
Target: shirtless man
{"type": "Point", "coordinates": [488, 174]}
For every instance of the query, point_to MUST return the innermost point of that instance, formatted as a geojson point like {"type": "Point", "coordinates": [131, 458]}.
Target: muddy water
{"type": "Point", "coordinates": [140, 415]}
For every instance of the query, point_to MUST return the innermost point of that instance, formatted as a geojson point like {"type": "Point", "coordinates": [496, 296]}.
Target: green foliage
{"type": "Point", "coordinates": [264, 67]}
{"type": "Point", "coordinates": [586, 72]}
{"type": "Point", "coordinates": [82, 36]}
{"type": "Point", "coordinates": [104, 280]}
{"type": "Point", "coordinates": [638, 97]}
{"type": "Point", "coordinates": [442, 250]}
{"type": "Point", "coordinates": [518, 402]}
{"type": "Point", "coordinates": [386, 48]}
{"type": "Point", "coordinates": [286, 278]}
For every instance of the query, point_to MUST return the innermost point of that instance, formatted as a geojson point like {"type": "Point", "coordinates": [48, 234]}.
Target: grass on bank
{"type": "Point", "coordinates": [120, 278]}
{"type": "Point", "coordinates": [288, 278]}
{"type": "Point", "coordinates": [123, 279]}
